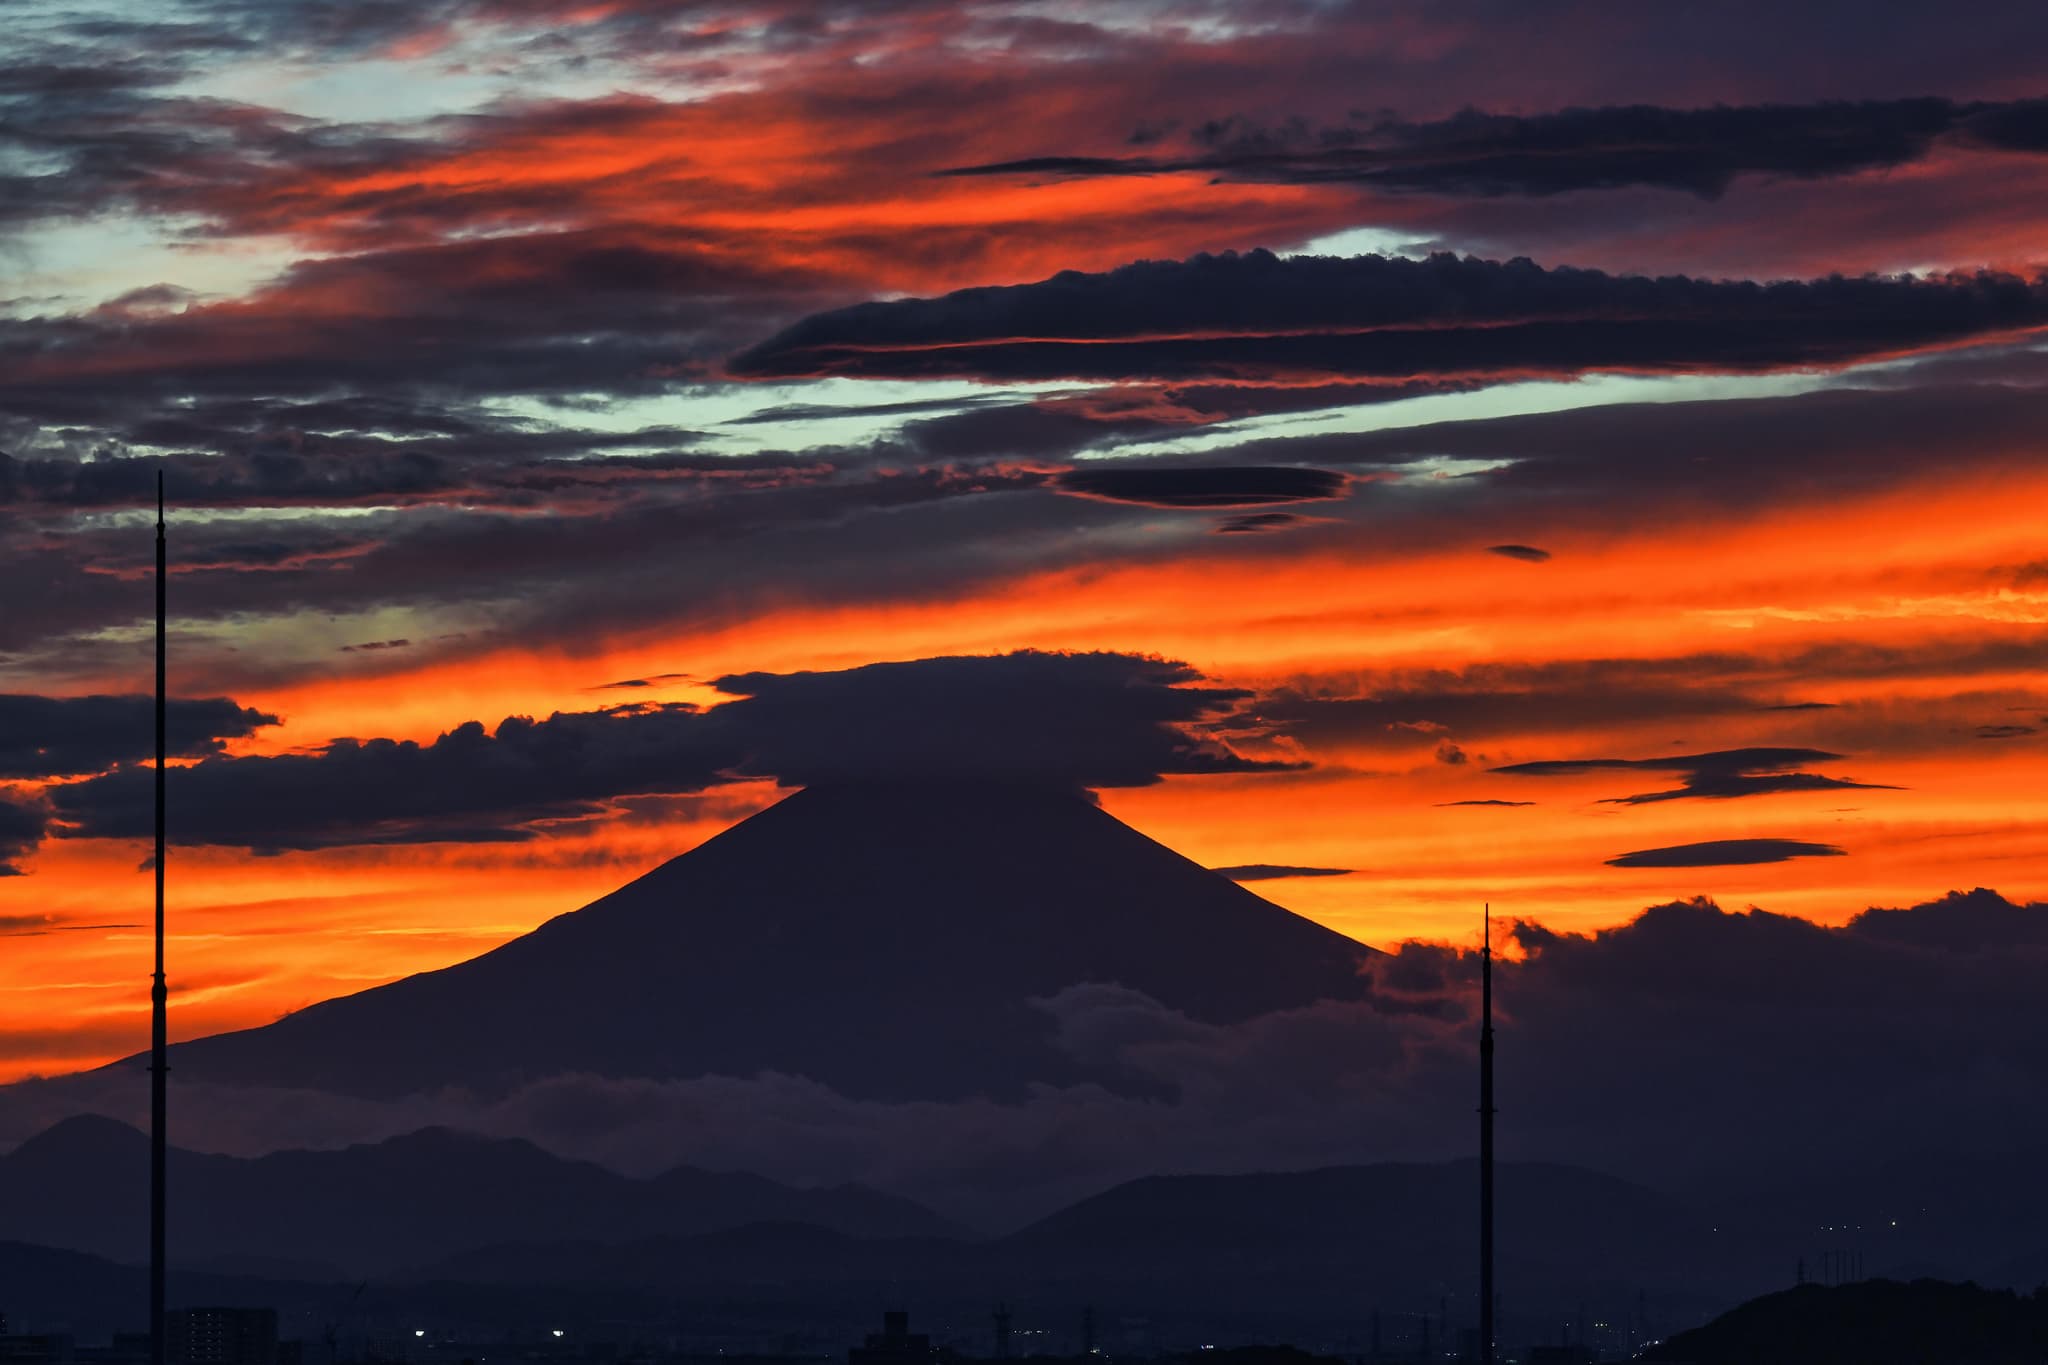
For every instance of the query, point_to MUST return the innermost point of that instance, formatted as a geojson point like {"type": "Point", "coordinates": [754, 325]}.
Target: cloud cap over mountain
{"type": "Point", "coordinates": [1063, 720]}
{"type": "Point", "coordinates": [1092, 720]}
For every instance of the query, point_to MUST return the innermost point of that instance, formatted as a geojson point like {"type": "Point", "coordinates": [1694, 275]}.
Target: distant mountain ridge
{"type": "Point", "coordinates": [1321, 1244]}
{"type": "Point", "coordinates": [82, 1185]}
{"type": "Point", "coordinates": [1240, 1256]}
{"type": "Point", "coordinates": [887, 941]}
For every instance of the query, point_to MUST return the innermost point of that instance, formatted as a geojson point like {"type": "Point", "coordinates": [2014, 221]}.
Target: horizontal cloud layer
{"type": "Point", "coordinates": [1725, 853]}
{"type": "Point", "coordinates": [1265, 872]}
{"type": "Point", "coordinates": [1724, 774]}
{"type": "Point", "coordinates": [1258, 317]}
{"type": "Point", "coordinates": [42, 737]}
{"type": "Point", "coordinates": [1700, 151]}
{"type": "Point", "coordinates": [1096, 720]}
{"type": "Point", "coordinates": [1528, 554]}
{"type": "Point", "coordinates": [1203, 486]}
{"type": "Point", "coordinates": [23, 820]}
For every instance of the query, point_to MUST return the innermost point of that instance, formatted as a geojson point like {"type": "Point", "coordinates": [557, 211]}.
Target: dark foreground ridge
{"type": "Point", "coordinates": [1875, 1322]}
{"type": "Point", "coordinates": [886, 940]}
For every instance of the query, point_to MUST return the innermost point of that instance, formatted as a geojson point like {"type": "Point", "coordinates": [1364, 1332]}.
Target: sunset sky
{"type": "Point", "coordinates": [1575, 456]}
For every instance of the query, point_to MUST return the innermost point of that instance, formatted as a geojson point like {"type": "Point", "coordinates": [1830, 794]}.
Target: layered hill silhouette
{"type": "Point", "coordinates": [1245, 1254]}
{"type": "Point", "coordinates": [426, 1220]}
{"type": "Point", "coordinates": [82, 1185]}
{"type": "Point", "coordinates": [92, 1297]}
{"type": "Point", "coordinates": [886, 940]}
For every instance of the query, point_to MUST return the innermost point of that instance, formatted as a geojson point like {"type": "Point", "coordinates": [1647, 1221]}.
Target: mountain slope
{"type": "Point", "coordinates": [1385, 1223]}
{"type": "Point", "coordinates": [887, 941]}
{"type": "Point", "coordinates": [1304, 1246]}
{"type": "Point", "coordinates": [82, 1185]}
{"type": "Point", "coordinates": [1874, 1322]}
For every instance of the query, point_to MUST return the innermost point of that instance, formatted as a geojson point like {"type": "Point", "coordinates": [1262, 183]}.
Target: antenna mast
{"type": "Point", "coordinates": [159, 1062]}
{"type": "Point", "coordinates": [1486, 1139]}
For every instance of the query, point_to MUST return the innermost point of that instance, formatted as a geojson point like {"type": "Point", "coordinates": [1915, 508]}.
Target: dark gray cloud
{"type": "Point", "coordinates": [1723, 760]}
{"type": "Point", "coordinates": [1485, 801]}
{"type": "Point", "coordinates": [1978, 921]}
{"type": "Point", "coordinates": [871, 523]}
{"type": "Point", "coordinates": [1306, 319]}
{"type": "Point", "coordinates": [470, 785]}
{"type": "Point", "coordinates": [1202, 486]}
{"type": "Point", "coordinates": [38, 926]}
{"type": "Point", "coordinates": [24, 818]}
{"type": "Point", "coordinates": [1096, 720]}
{"type": "Point", "coordinates": [1528, 554]}
{"type": "Point", "coordinates": [1475, 153]}
{"type": "Point", "coordinates": [1725, 853]}
{"type": "Point", "coordinates": [44, 737]}
{"type": "Point", "coordinates": [1403, 709]}
{"type": "Point", "coordinates": [1257, 523]}
{"type": "Point", "coordinates": [762, 531]}
{"type": "Point", "coordinates": [1264, 872]}
{"type": "Point", "coordinates": [565, 312]}
{"type": "Point", "coordinates": [604, 309]}
{"type": "Point", "coordinates": [1554, 472]}
{"type": "Point", "coordinates": [287, 466]}
{"type": "Point", "coordinates": [88, 124]}
{"type": "Point", "coordinates": [1723, 774]}
{"type": "Point", "coordinates": [2014, 126]}
{"type": "Point", "coordinates": [635, 683]}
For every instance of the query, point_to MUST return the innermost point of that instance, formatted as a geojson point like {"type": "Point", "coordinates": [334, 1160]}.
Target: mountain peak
{"type": "Point", "coordinates": [890, 940]}
{"type": "Point", "coordinates": [81, 1135]}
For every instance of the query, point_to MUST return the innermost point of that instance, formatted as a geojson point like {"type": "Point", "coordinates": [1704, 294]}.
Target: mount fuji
{"type": "Point", "coordinates": [887, 940]}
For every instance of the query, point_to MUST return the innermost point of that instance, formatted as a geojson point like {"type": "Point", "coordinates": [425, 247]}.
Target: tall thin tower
{"type": "Point", "coordinates": [159, 1062]}
{"type": "Point", "coordinates": [1486, 1139]}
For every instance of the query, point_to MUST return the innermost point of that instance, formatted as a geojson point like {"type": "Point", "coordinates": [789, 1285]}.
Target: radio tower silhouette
{"type": "Point", "coordinates": [1486, 1138]}
{"type": "Point", "coordinates": [159, 1062]}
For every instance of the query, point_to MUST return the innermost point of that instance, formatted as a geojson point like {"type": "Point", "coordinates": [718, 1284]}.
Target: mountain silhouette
{"type": "Point", "coordinates": [1397, 1226]}
{"type": "Point", "coordinates": [1306, 1246]}
{"type": "Point", "coordinates": [886, 940]}
{"type": "Point", "coordinates": [81, 1185]}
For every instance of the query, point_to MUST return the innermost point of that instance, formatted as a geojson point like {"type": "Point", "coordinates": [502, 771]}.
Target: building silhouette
{"type": "Point", "coordinates": [221, 1336]}
{"type": "Point", "coordinates": [37, 1349]}
{"type": "Point", "coordinates": [895, 1344]}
